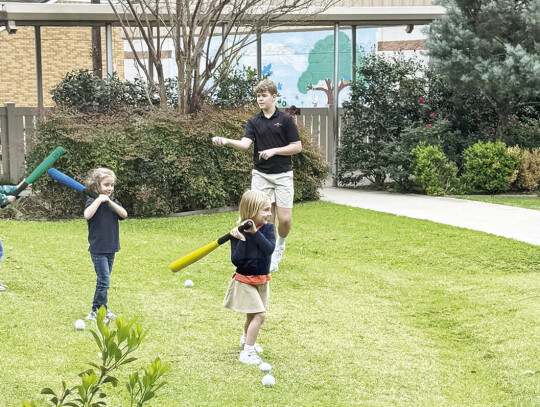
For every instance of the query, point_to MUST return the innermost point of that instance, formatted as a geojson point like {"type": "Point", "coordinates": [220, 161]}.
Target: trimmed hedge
{"type": "Point", "coordinates": [164, 163]}
{"type": "Point", "coordinates": [434, 172]}
{"type": "Point", "coordinates": [489, 167]}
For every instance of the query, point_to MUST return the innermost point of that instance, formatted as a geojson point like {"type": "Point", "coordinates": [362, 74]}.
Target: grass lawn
{"type": "Point", "coordinates": [368, 309]}
{"type": "Point", "coordinates": [529, 202]}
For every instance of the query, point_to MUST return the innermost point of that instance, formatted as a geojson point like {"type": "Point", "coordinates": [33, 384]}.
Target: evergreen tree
{"type": "Point", "coordinates": [491, 48]}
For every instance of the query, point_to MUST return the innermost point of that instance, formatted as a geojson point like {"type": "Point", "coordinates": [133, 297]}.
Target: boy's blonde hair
{"type": "Point", "coordinates": [94, 178]}
{"type": "Point", "coordinates": [266, 85]}
{"type": "Point", "coordinates": [251, 203]}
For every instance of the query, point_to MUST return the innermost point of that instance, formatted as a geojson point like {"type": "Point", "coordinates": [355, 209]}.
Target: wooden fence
{"type": "Point", "coordinates": [320, 121]}
{"type": "Point", "coordinates": [17, 126]}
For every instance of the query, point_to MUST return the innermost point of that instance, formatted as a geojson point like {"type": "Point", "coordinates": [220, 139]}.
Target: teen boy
{"type": "Point", "coordinates": [276, 139]}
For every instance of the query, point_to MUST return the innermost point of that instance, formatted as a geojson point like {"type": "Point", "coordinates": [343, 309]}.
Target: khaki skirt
{"type": "Point", "coordinates": [245, 298]}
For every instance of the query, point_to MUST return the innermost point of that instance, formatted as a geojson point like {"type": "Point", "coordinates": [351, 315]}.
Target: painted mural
{"type": "Point", "coordinates": [301, 63]}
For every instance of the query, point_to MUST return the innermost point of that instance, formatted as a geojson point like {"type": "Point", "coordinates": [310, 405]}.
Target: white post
{"type": "Point", "coordinates": [336, 104]}
{"type": "Point", "coordinates": [108, 45]}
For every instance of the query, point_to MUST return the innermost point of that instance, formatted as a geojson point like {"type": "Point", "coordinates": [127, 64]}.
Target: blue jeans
{"type": "Point", "coordinates": [103, 264]}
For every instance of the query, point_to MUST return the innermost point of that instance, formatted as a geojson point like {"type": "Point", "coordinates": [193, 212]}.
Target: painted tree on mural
{"type": "Point", "coordinates": [320, 71]}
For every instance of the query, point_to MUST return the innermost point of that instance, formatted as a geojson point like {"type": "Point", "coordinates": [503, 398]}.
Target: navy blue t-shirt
{"type": "Point", "coordinates": [278, 131]}
{"type": "Point", "coordinates": [252, 257]}
{"type": "Point", "coordinates": [103, 231]}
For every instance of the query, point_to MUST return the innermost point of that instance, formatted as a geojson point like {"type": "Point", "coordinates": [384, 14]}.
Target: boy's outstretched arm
{"type": "Point", "coordinates": [5, 200]}
{"type": "Point", "coordinates": [243, 144]}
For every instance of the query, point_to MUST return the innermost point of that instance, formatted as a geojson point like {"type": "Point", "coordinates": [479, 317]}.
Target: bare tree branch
{"type": "Point", "coordinates": [208, 36]}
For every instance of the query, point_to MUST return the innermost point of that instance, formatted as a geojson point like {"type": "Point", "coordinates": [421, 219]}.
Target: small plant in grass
{"type": "Point", "coordinates": [115, 347]}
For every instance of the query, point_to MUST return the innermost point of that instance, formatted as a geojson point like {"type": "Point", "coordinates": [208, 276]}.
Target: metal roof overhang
{"type": "Point", "coordinates": [32, 14]}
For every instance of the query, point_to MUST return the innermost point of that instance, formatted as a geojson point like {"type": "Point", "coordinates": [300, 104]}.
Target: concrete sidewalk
{"type": "Point", "coordinates": [501, 220]}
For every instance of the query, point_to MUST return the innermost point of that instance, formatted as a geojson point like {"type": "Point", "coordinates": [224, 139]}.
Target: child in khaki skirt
{"type": "Point", "coordinates": [251, 252]}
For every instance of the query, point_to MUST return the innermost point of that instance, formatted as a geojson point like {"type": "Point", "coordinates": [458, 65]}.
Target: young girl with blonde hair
{"type": "Point", "coordinates": [102, 215]}
{"type": "Point", "coordinates": [251, 252]}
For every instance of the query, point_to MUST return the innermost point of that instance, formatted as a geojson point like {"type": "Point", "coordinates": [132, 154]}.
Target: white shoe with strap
{"type": "Point", "coordinates": [92, 316]}
{"type": "Point", "coordinates": [258, 348]}
{"type": "Point", "coordinates": [250, 358]}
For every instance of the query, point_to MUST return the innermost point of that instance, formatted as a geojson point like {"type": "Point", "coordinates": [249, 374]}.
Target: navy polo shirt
{"type": "Point", "coordinates": [252, 257]}
{"type": "Point", "coordinates": [103, 233]}
{"type": "Point", "coordinates": [278, 131]}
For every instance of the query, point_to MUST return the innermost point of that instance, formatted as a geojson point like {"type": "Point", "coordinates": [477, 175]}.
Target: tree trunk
{"type": "Point", "coordinates": [503, 119]}
{"type": "Point", "coordinates": [161, 84]}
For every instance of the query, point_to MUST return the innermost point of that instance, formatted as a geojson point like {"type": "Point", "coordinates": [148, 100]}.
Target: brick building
{"type": "Point", "coordinates": [63, 49]}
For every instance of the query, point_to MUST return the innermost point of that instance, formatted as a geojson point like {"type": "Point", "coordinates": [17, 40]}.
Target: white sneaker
{"type": "Point", "coordinates": [276, 257]}
{"type": "Point", "coordinates": [249, 358]}
{"type": "Point", "coordinates": [258, 348]}
{"type": "Point", "coordinates": [92, 316]}
{"type": "Point", "coordinates": [110, 316]}
{"type": "Point", "coordinates": [3, 285]}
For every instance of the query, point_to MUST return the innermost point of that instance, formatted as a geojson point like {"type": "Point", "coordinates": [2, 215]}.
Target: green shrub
{"type": "Point", "coordinates": [165, 163]}
{"type": "Point", "coordinates": [434, 172]}
{"type": "Point", "coordinates": [82, 91]}
{"type": "Point", "coordinates": [385, 100]}
{"type": "Point", "coordinates": [439, 133]}
{"type": "Point", "coordinates": [488, 167]}
{"type": "Point", "coordinates": [310, 169]}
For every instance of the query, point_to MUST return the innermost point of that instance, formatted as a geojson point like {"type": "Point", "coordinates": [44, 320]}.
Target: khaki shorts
{"type": "Point", "coordinates": [245, 298]}
{"type": "Point", "coordinates": [279, 187]}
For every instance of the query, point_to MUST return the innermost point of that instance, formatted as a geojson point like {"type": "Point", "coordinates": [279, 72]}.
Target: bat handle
{"type": "Point", "coordinates": [21, 188]}
{"type": "Point", "coordinates": [245, 226]}
{"type": "Point", "coordinates": [90, 193]}
{"type": "Point", "coordinates": [227, 237]}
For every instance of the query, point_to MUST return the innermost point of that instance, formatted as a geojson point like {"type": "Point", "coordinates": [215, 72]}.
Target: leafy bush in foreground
{"type": "Point", "coordinates": [115, 347]}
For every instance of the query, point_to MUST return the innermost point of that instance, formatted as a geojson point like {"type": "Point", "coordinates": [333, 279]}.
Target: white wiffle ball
{"type": "Point", "coordinates": [188, 283]}
{"type": "Point", "coordinates": [268, 380]}
{"type": "Point", "coordinates": [79, 325]}
{"type": "Point", "coordinates": [265, 367]}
